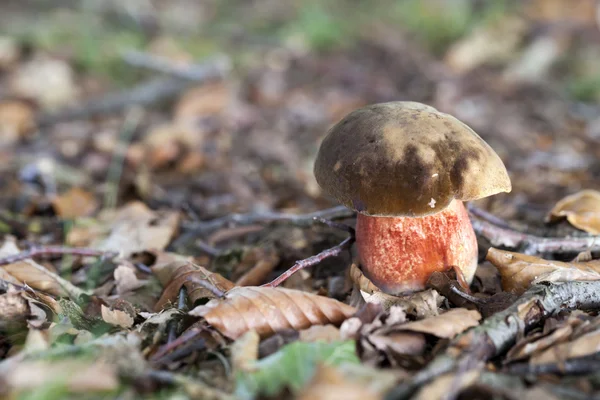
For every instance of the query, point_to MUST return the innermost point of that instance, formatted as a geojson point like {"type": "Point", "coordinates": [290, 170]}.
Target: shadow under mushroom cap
{"type": "Point", "coordinates": [406, 159]}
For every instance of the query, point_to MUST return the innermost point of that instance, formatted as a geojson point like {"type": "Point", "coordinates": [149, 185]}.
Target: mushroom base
{"type": "Point", "coordinates": [398, 254]}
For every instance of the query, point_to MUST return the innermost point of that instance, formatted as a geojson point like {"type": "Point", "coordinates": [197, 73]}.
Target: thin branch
{"type": "Point", "coordinates": [204, 227]}
{"type": "Point", "coordinates": [571, 366]}
{"type": "Point", "coordinates": [42, 251]}
{"type": "Point", "coordinates": [530, 244]}
{"type": "Point", "coordinates": [310, 261]}
{"type": "Point", "coordinates": [216, 67]}
{"type": "Point", "coordinates": [497, 333]}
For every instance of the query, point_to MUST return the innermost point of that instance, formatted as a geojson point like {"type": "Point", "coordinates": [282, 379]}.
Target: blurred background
{"type": "Point", "coordinates": [219, 106]}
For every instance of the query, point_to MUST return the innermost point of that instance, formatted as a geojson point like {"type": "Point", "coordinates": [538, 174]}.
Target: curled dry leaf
{"type": "Point", "coordinates": [268, 310]}
{"type": "Point", "coordinates": [126, 279]}
{"type": "Point", "coordinates": [520, 271]}
{"type": "Point", "coordinates": [196, 279]}
{"type": "Point", "coordinates": [581, 209]}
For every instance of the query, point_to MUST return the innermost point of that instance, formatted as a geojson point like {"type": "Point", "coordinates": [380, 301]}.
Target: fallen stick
{"type": "Point", "coordinates": [531, 244]}
{"type": "Point", "coordinates": [304, 220]}
{"type": "Point", "coordinates": [55, 250]}
{"type": "Point", "coordinates": [497, 333]}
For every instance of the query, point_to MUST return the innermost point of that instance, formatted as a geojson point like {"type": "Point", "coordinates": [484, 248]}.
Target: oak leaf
{"type": "Point", "coordinates": [268, 310]}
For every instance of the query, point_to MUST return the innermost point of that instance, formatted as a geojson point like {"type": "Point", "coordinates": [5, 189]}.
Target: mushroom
{"type": "Point", "coordinates": [407, 168]}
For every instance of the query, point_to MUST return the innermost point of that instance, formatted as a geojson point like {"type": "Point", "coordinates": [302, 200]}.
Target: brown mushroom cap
{"type": "Point", "coordinates": [406, 159]}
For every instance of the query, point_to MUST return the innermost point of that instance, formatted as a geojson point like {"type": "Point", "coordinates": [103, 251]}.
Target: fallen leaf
{"type": "Point", "coordinates": [244, 352]}
{"type": "Point", "coordinates": [75, 203]}
{"type": "Point", "coordinates": [268, 310]}
{"type": "Point", "coordinates": [126, 279]}
{"type": "Point", "coordinates": [9, 51]}
{"type": "Point", "coordinates": [28, 272]}
{"type": "Point", "coordinates": [50, 82]}
{"type": "Point", "coordinates": [195, 278]}
{"type": "Point", "coordinates": [538, 343]}
{"type": "Point", "coordinates": [488, 44]}
{"type": "Point", "coordinates": [136, 228]}
{"type": "Point", "coordinates": [446, 325]}
{"type": "Point", "coordinates": [258, 263]}
{"type": "Point", "coordinates": [329, 383]}
{"type": "Point", "coordinates": [580, 347]}
{"type": "Point", "coordinates": [581, 209]}
{"type": "Point", "coordinates": [116, 317]}
{"type": "Point", "coordinates": [14, 311]}
{"type": "Point", "coordinates": [520, 271]}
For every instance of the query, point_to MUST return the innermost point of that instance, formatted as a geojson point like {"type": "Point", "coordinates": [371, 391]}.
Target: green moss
{"type": "Point", "coordinates": [585, 88]}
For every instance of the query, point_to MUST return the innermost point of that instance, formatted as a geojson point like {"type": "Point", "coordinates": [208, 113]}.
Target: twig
{"type": "Point", "coordinates": [486, 216]}
{"type": "Point", "coordinates": [497, 333]}
{"type": "Point", "coordinates": [180, 306]}
{"type": "Point", "coordinates": [310, 261]}
{"type": "Point", "coordinates": [55, 250]}
{"type": "Point", "coordinates": [572, 366]}
{"type": "Point", "coordinates": [216, 67]}
{"type": "Point", "coordinates": [530, 244]}
{"type": "Point", "coordinates": [201, 228]}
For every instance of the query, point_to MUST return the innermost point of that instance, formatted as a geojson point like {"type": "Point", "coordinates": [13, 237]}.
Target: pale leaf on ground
{"type": "Point", "coordinates": [439, 388]}
{"type": "Point", "coordinates": [116, 317]}
{"type": "Point", "coordinates": [320, 333]}
{"type": "Point", "coordinates": [520, 271]}
{"type": "Point", "coordinates": [126, 279]}
{"type": "Point", "coordinates": [581, 209]}
{"type": "Point", "coordinates": [244, 352]}
{"type": "Point", "coordinates": [446, 325]}
{"type": "Point", "coordinates": [136, 228]}
{"type": "Point", "coordinates": [268, 310]}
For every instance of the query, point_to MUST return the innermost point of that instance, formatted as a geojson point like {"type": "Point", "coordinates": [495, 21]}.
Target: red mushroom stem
{"type": "Point", "coordinates": [398, 254]}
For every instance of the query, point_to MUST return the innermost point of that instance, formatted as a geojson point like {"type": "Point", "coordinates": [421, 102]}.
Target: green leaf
{"type": "Point", "coordinates": [292, 366]}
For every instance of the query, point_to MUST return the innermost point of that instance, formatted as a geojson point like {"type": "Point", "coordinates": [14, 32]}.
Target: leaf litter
{"type": "Point", "coordinates": [133, 253]}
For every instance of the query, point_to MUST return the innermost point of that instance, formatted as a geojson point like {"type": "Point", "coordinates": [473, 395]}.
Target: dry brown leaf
{"type": "Point", "coordinates": [268, 310]}
{"type": "Point", "coordinates": [330, 384]}
{"type": "Point", "coordinates": [520, 271]}
{"type": "Point", "coordinates": [257, 263]}
{"type": "Point", "coordinates": [205, 100]}
{"type": "Point", "coordinates": [136, 228]}
{"type": "Point", "coordinates": [398, 343]}
{"type": "Point", "coordinates": [14, 310]}
{"type": "Point", "coordinates": [75, 203]}
{"type": "Point", "coordinates": [446, 325]}
{"type": "Point", "coordinates": [538, 343]}
{"type": "Point", "coordinates": [28, 272]}
{"type": "Point", "coordinates": [580, 347]}
{"type": "Point", "coordinates": [116, 317]}
{"type": "Point", "coordinates": [581, 209]}
{"type": "Point", "coordinates": [194, 277]}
